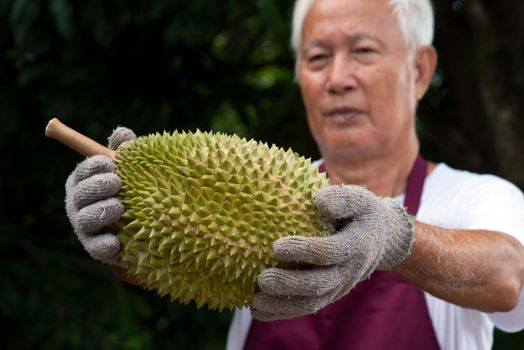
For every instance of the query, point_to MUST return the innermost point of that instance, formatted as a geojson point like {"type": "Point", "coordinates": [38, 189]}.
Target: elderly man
{"type": "Point", "coordinates": [384, 280]}
{"type": "Point", "coordinates": [362, 66]}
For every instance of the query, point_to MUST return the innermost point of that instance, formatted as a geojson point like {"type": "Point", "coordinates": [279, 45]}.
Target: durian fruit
{"type": "Point", "coordinates": [203, 209]}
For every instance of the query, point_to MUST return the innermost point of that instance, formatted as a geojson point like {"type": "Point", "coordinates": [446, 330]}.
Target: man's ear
{"type": "Point", "coordinates": [425, 65]}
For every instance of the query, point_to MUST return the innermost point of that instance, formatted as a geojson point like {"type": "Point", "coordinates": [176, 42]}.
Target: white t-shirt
{"type": "Point", "coordinates": [456, 200]}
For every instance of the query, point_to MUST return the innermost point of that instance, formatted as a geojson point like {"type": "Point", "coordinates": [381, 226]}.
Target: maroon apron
{"type": "Point", "coordinates": [382, 312]}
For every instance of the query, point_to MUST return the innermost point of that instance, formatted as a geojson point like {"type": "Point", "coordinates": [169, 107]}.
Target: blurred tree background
{"type": "Point", "coordinates": [215, 65]}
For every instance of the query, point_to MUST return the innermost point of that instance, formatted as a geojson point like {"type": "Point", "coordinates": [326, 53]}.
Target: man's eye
{"type": "Point", "coordinates": [317, 61]}
{"type": "Point", "coordinates": [365, 50]}
{"type": "Point", "coordinates": [317, 58]}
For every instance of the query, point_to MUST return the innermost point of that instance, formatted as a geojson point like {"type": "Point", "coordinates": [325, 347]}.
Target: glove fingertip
{"type": "Point", "coordinates": [105, 248]}
{"type": "Point", "coordinates": [96, 188]}
{"type": "Point", "coordinates": [120, 135]}
{"type": "Point", "coordinates": [300, 250]}
{"type": "Point", "coordinates": [289, 248]}
{"type": "Point", "coordinates": [264, 316]}
{"type": "Point", "coordinates": [270, 280]}
{"type": "Point", "coordinates": [90, 166]}
{"type": "Point", "coordinates": [341, 202]}
{"type": "Point", "coordinates": [94, 217]}
{"type": "Point", "coordinates": [322, 251]}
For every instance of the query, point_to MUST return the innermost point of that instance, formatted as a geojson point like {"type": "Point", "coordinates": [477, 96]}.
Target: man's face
{"type": "Point", "coordinates": [356, 79]}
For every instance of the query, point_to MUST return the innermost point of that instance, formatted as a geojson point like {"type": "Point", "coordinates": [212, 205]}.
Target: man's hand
{"type": "Point", "coordinates": [91, 202]}
{"type": "Point", "coordinates": [374, 233]}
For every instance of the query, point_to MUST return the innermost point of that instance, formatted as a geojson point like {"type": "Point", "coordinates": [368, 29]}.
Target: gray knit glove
{"type": "Point", "coordinates": [91, 202]}
{"type": "Point", "coordinates": [374, 233]}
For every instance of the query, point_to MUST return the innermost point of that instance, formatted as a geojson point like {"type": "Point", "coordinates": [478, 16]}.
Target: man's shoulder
{"type": "Point", "coordinates": [463, 199]}
{"type": "Point", "coordinates": [443, 173]}
{"type": "Point", "coordinates": [464, 182]}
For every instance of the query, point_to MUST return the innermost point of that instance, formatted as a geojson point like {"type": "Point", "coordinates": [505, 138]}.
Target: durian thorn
{"type": "Point", "coordinates": [75, 140]}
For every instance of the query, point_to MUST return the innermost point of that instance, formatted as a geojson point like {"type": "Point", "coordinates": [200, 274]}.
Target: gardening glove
{"type": "Point", "coordinates": [373, 233]}
{"type": "Point", "coordinates": [91, 202]}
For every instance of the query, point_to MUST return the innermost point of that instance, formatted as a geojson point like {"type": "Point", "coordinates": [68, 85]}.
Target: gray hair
{"type": "Point", "coordinates": [415, 18]}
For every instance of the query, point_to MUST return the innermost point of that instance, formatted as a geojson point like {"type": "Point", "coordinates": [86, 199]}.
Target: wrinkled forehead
{"type": "Point", "coordinates": [305, 9]}
{"type": "Point", "coordinates": [328, 19]}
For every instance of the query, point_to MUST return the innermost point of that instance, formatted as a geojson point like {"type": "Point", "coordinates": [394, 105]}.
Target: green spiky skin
{"type": "Point", "coordinates": [203, 209]}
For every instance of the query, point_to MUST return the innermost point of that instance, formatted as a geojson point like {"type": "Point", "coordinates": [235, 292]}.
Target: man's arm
{"type": "Point", "coordinates": [477, 269]}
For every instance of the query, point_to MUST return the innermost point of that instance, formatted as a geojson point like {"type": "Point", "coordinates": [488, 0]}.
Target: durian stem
{"type": "Point", "coordinates": [75, 140]}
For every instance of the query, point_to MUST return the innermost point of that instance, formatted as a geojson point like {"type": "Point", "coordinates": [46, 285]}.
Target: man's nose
{"type": "Point", "coordinates": [341, 77]}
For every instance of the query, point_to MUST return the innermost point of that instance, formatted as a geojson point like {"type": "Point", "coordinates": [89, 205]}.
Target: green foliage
{"type": "Point", "coordinates": [149, 65]}
{"type": "Point", "coordinates": [97, 64]}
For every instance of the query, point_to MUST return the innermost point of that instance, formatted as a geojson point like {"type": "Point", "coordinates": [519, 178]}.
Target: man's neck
{"type": "Point", "coordinates": [386, 176]}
